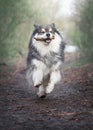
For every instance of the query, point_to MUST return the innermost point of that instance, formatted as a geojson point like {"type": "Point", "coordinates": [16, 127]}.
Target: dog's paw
{"type": "Point", "coordinates": [38, 85]}
{"type": "Point", "coordinates": [49, 89]}
{"type": "Point", "coordinates": [41, 95]}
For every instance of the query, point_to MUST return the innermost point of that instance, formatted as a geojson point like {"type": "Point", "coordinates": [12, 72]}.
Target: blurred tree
{"type": "Point", "coordinates": [84, 26]}
{"type": "Point", "coordinates": [16, 21]}
{"type": "Point", "coordinates": [12, 13]}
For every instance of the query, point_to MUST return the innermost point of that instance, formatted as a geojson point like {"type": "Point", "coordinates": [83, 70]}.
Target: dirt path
{"type": "Point", "coordinates": [68, 107]}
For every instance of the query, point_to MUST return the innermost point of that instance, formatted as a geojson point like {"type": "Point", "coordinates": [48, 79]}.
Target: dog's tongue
{"type": "Point", "coordinates": [48, 41]}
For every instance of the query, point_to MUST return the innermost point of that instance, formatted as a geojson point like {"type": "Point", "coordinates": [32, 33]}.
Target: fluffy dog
{"type": "Point", "coordinates": [45, 57]}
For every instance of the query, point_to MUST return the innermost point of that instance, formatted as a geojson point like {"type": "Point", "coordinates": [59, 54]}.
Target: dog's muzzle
{"type": "Point", "coordinates": [46, 40]}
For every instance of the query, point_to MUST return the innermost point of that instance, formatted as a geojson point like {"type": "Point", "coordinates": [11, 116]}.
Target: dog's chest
{"type": "Point", "coordinates": [45, 50]}
{"type": "Point", "coordinates": [51, 58]}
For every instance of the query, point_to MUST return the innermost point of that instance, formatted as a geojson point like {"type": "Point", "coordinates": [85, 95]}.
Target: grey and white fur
{"type": "Point", "coordinates": [45, 58]}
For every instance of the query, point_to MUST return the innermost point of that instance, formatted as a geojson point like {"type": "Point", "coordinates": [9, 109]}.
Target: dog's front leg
{"type": "Point", "coordinates": [38, 82]}
{"type": "Point", "coordinates": [41, 92]}
{"type": "Point", "coordinates": [55, 77]}
{"type": "Point", "coordinates": [37, 77]}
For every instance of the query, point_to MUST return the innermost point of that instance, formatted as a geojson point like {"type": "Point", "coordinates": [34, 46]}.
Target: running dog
{"type": "Point", "coordinates": [45, 58]}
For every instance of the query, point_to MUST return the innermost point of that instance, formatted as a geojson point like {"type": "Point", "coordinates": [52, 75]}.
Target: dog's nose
{"type": "Point", "coordinates": [48, 34]}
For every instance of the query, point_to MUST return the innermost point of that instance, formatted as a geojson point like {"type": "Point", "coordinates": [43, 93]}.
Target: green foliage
{"type": "Point", "coordinates": [83, 35]}
{"type": "Point", "coordinates": [12, 14]}
{"type": "Point", "coordinates": [16, 24]}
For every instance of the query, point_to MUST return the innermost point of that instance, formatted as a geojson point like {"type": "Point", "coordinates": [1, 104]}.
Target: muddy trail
{"type": "Point", "coordinates": [68, 107]}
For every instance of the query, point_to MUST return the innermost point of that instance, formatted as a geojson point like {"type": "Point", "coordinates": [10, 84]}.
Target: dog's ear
{"type": "Point", "coordinates": [36, 26]}
{"type": "Point", "coordinates": [53, 25]}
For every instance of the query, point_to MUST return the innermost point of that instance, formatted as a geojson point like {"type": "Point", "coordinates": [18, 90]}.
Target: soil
{"type": "Point", "coordinates": [68, 107]}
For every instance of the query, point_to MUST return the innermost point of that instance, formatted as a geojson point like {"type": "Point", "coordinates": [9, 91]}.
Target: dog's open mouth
{"type": "Point", "coordinates": [48, 40]}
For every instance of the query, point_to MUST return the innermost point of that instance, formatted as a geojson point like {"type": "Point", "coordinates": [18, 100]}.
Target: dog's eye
{"type": "Point", "coordinates": [42, 32]}
{"type": "Point", "coordinates": [51, 31]}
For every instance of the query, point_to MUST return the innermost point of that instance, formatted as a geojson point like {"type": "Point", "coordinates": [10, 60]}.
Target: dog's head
{"type": "Point", "coordinates": [45, 34]}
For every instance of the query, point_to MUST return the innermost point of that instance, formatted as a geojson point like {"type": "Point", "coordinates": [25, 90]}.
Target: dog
{"type": "Point", "coordinates": [45, 58]}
